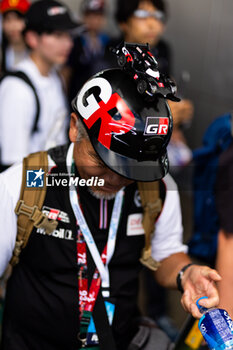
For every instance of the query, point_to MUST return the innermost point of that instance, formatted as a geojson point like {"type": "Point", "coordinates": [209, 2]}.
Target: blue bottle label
{"type": "Point", "coordinates": [216, 327]}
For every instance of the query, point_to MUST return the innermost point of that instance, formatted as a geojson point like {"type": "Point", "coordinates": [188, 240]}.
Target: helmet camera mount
{"type": "Point", "coordinates": [141, 65]}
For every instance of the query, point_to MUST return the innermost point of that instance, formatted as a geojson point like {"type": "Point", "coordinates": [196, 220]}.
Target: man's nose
{"type": "Point", "coordinates": [151, 22]}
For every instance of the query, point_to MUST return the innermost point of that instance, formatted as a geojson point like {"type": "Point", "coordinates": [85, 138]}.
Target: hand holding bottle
{"type": "Point", "coordinates": [199, 281]}
{"type": "Point", "coordinates": [216, 327]}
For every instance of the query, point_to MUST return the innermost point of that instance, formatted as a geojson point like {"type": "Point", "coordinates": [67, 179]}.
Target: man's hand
{"type": "Point", "coordinates": [199, 281]}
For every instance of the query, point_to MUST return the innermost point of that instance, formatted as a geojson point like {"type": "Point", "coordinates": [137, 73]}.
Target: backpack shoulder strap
{"type": "Point", "coordinates": [28, 207]}
{"type": "Point", "coordinates": [152, 204]}
{"type": "Point", "coordinates": [24, 77]}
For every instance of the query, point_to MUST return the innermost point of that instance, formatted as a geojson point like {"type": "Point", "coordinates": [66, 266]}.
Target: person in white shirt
{"type": "Point", "coordinates": [47, 34]}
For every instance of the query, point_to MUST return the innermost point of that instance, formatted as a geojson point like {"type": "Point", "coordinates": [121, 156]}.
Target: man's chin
{"type": "Point", "coordinates": [102, 194]}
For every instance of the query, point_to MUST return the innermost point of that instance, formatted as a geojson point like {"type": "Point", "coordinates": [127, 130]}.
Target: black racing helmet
{"type": "Point", "coordinates": [129, 132]}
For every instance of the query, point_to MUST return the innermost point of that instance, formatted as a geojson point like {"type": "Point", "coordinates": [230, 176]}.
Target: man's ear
{"type": "Point", "coordinates": [73, 132]}
{"type": "Point", "coordinates": [31, 39]}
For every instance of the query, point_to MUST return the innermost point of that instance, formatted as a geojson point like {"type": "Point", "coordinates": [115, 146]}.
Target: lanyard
{"type": "Point", "coordinates": [111, 243]}
{"type": "Point", "coordinates": [87, 298]}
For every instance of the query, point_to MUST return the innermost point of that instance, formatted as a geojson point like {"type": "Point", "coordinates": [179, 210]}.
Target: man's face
{"type": "Point", "coordinates": [89, 164]}
{"type": "Point", "coordinates": [13, 26]}
{"type": "Point", "coordinates": [54, 48]}
{"type": "Point", "coordinates": [143, 30]}
{"type": "Point", "coordinates": [94, 22]}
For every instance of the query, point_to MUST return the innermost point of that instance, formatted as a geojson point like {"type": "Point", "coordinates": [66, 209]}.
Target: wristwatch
{"type": "Point", "coordinates": [180, 276]}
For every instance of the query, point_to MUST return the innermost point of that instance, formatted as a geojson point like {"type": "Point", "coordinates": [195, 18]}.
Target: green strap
{"type": "Point", "coordinates": [85, 320]}
{"type": "Point", "coordinates": [84, 323]}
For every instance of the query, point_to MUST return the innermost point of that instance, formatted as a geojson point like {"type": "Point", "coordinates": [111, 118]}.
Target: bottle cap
{"type": "Point", "coordinates": [201, 308]}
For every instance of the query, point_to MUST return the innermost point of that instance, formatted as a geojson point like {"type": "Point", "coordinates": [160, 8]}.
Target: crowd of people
{"type": "Point", "coordinates": [75, 285]}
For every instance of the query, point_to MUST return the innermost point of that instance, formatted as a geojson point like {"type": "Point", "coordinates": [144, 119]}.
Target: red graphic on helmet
{"type": "Point", "coordinates": [110, 126]}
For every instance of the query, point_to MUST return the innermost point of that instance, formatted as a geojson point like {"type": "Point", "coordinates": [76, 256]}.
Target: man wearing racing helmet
{"type": "Point", "coordinates": [89, 265]}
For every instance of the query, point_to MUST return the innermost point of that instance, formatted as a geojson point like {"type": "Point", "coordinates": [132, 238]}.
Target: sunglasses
{"type": "Point", "coordinates": [159, 15]}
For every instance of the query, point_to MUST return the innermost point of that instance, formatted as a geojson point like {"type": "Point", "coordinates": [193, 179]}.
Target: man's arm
{"type": "Point", "coordinates": [197, 281]}
{"type": "Point", "coordinates": [167, 248]}
{"type": "Point", "coordinates": [7, 227]}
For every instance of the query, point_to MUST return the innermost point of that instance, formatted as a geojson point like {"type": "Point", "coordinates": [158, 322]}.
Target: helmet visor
{"type": "Point", "coordinates": [145, 170]}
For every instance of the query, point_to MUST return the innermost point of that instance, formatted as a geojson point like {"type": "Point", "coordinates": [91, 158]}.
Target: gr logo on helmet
{"type": "Point", "coordinates": [156, 126]}
{"type": "Point", "coordinates": [91, 110]}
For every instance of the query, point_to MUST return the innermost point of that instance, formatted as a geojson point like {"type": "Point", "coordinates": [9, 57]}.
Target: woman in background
{"type": "Point", "coordinates": [12, 46]}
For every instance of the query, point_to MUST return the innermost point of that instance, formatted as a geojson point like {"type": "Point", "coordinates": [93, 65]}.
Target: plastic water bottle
{"type": "Point", "coordinates": [216, 327]}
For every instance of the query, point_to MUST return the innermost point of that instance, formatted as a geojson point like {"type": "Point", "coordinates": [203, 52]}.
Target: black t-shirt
{"type": "Point", "coordinates": [41, 307]}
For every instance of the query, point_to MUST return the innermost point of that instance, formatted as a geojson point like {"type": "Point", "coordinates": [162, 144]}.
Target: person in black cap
{"type": "Point", "coordinates": [75, 286]}
{"type": "Point", "coordinates": [48, 17]}
{"type": "Point", "coordinates": [47, 34]}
